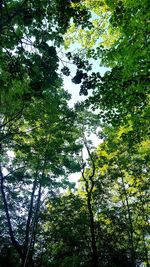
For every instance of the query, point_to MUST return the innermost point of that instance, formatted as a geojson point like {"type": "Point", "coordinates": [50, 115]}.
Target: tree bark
{"type": "Point", "coordinates": [93, 236]}
{"type": "Point", "coordinates": [89, 185]}
{"type": "Point", "coordinates": [131, 225]}
{"type": "Point", "coordinates": [29, 217]}
{"type": "Point", "coordinates": [16, 245]}
{"type": "Point", "coordinates": [28, 255]}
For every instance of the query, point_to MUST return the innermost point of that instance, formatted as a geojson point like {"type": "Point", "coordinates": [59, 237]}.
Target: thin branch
{"type": "Point", "coordinates": [13, 171]}
{"type": "Point", "coordinates": [13, 118]}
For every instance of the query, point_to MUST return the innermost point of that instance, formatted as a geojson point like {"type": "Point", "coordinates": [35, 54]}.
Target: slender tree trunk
{"type": "Point", "coordinates": [28, 256]}
{"type": "Point", "coordinates": [89, 185]}
{"type": "Point", "coordinates": [15, 244]}
{"type": "Point", "coordinates": [146, 252]}
{"type": "Point", "coordinates": [131, 225]}
{"type": "Point", "coordinates": [145, 217]}
{"type": "Point", "coordinates": [36, 219]}
{"type": "Point", "coordinates": [93, 237]}
{"type": "Point", "coordinates": [28, 225]}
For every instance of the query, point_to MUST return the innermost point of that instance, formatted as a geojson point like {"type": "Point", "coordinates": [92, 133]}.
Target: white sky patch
{"type": "Point", "coordinates": [74, 177]}
{"type": "Point", "coordinates": [10, 154]}
{"type": "Point", "coordinates": [5, 171]}
{"type": "Point", "coordinates": [95, 140]}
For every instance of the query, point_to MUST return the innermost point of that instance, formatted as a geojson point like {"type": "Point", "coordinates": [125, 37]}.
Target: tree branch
{"type": "Point", "coordinates": [13, 118]}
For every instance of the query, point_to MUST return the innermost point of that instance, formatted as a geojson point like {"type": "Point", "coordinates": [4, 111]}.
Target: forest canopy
{"type": "Point", "coordinates": [45, 219]}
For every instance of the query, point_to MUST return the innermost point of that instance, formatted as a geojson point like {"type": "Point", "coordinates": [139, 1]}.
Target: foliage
{"type": "Point", "coordinates": [122, 94]}
{"type": "Point", "coordinates": [98, 32]}
{"type": "Point", "coordinates": [66, 248]}
{"type": "Point", "coordinates": [37, 127]}
{"type": "Point", "coordinates": [44, 219]}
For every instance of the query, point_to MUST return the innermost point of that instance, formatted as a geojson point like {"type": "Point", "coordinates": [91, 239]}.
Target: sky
{"type": "Point", "coordinates": [74, 89]}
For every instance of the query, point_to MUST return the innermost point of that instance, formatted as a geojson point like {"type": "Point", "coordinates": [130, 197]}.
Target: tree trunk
{"type": "Point", "coordinates": [28, 263]}
{"type": "Point", "coordinates": [89, 185]}
{"type": "Point", "coordinates": [27, 260]}
{"type": "Point", "coordinates": [15, 244]}
{"type": "Point", "coordinates": [131, 226]}
{"type": "Point", "coordinates": [92, 230]}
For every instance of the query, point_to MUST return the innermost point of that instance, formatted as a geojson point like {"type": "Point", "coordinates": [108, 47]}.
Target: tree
{"type": "Point", "coordinates": [106, 222]}
{"type": "Point", "coordinates": [119, 190]}
{"type": "Point", "coordinates": [97, 32]}
{"type": "Point", "coordinates": [66, 232]}
{"type": "Point", "coordinates": [122, 177]}
{"type": "Point", "coordinates": [35, 119]}
{"type": "Point", "coordinates": [40, 155]}
{"type": "Point", "coordinates": [122, 94]}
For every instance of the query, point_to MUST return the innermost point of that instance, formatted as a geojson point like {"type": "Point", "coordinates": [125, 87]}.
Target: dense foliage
{"type": "Point", "coordinates": [45, 221]}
